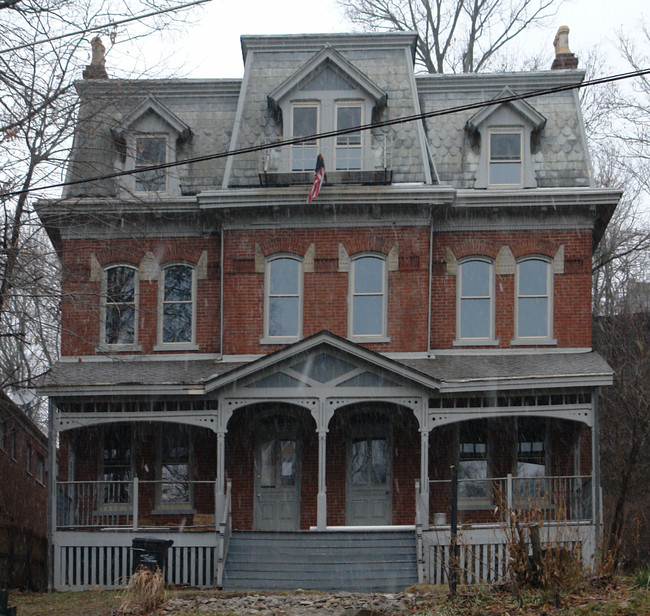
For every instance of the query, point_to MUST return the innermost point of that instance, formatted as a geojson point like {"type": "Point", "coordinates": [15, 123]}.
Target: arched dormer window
{"type": "Point", "coordinates": [177, 307]}
{"type": "Point", "coordinates": [475, 301]}
{"type": "Point", "coordinates": [283, 284]}
{"type": "Point", "coordinates": [368, 299]}
{"type": "Point", "coordinates": [119, 306]}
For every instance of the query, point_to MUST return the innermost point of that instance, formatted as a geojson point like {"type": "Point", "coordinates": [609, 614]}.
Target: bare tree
{"type": "Point", "coordinates": [39, 63]}
{"type": "Point", "coordinates": [454, 35]}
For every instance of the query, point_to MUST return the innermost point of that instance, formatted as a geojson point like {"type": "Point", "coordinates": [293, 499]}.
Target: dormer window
{"type": "Point", "coordinates": [149, 151]}
{"type": "Point", "coordinates": [505, 156]}
{"type": "Point", "coordinates": [348, 147]}
{"type": "Point", "coordinates": [504, 137]}
{"type": "Point", "coordinates": [304, 122]}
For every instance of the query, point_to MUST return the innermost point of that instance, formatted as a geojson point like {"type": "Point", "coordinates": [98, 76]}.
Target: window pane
{"type": "Point", "coordinates": [284, 277]}
{"type": "Point", "coordinates": [348, 158]}
{"type": "Point", "coordinates": [288, 463]}
{"type": "Point", "coordinates": [283, 316]}
{"type": "Point", "coordinates": [305, 121]}
{"type": "Point", "coordinates": [267, 462]}
{"type": "Point", "coordinates": [120, 324]}
{"type": "Point", "coordinates": [505, 146]}
{"type": "Point", "coordinates": [368, 275]}
{"type": "Point", "coordinates": [475, 318]}
{"type": "Point", "coordinates": [360, 461]}
{"type": "Point", "coordinates": [304, 157]}
{"type": "Point", "coordinates": [475, 276]}
{"type": "Point", "coordinates": [505, 173]}
{"type": "Point", "coordinates": [468, 470]}
{"type": "Point", "coordinates": [120, 284]}
{"type": "Point", "coordinates": [533, 277]}
{"type": "Point", "coordinates": [379, 451]}
{"type": "Point", "coordinates": [532, 317]}
{"type": "Point", "coordinates": [368, 315]}
{"type": "Point", "coordinates": [177, 323]}
{"type": "Point", "coordinates": [175, 487]}
{"type": "Point", "coordinates": [178, 283]}
{"type": "Point", "coordinates": [150, 151]}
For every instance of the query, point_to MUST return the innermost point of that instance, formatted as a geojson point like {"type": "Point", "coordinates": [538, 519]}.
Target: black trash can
{"type": "Point", "coordinates": [150, 553]}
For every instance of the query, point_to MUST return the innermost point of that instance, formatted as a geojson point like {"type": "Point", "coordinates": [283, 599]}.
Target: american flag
{"type": "Point", "coordinates": [319, 176]}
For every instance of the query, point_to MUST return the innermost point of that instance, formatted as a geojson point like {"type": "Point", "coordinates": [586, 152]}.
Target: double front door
{"type": "Point", "coordinates": [277, 474]}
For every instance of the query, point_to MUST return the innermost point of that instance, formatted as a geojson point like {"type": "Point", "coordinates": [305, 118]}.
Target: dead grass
{"type": "Point", "coordinates": [144, 593]}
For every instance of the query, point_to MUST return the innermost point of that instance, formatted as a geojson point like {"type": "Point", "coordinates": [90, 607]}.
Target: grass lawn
{"type": "Point", "coordinates": [621, 599]}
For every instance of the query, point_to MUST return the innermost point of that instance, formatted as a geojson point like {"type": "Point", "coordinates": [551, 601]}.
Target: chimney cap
{"type": "Point", "coordinates": [564, 59]}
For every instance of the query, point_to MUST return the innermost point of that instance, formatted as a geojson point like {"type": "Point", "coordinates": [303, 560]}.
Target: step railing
{"type": "Point", "coordinates": [225, 530]}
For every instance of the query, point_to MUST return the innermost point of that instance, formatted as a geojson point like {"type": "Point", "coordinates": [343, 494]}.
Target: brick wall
{"type": "Point", "coordinates": [23, 464]}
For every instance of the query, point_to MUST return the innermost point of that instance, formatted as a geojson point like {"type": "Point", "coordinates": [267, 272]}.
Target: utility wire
{"type": "Point", "coordinates": [110, 24]}
{"type": "Point", "coordinates": [346, 131]}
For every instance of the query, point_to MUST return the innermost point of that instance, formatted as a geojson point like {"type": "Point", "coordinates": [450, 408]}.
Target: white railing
{"type": "Point", "coordinates": [542, 499]}
{"type": "Point", "coordinates": [134, 504]}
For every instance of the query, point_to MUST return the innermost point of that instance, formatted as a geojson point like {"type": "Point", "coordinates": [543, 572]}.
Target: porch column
{"type": "Point", "coordinates": [321, 499]}
{"type": "Point", "coordinates": [220, 482]}
{"type": "Point", "coordinates": [595, 465]}
{"type": "Point", "coordinates": [424, 478]}
{"type": "Point", "coordinates": [51, 495]}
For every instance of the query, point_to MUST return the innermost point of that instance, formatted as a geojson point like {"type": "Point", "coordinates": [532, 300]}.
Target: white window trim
{"type": "Point", "coordinates": [538, 340]}
{"type": "Point", "coordinates": [383, 335]}
{"type": "Point", "coordinates": [178, 507]}
{"type": "Point", "coordinates": [176, 346]}
{"type": "Point", "coordinates": [114, 507]}
{"type": "Point", "coordinates": [267, 338]}
{"type": "Point", "coordinates": [310, 144]}
{"type": "Point", "coordinates": [134, 144]}
{"type": "Point", "coordinates": [130, 346]}
{"type": "Point", "coordinates": [506, 130]}
{"type": "Point", "coordinates": [350, 103]}
{"type": "Point", "coordinates": [488, 340]}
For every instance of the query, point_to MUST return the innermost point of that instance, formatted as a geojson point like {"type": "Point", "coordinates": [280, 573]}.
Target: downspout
{"type": "Point", "coordinates": [221, 298]}
{"type": "Point", "coordinates": [51, 494]}
{"type": "Point", "coordinates": [430, 299]}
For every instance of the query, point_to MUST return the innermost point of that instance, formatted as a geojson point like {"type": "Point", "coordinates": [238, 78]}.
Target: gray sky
{"type": "Point", "coordinates": [211, 48]}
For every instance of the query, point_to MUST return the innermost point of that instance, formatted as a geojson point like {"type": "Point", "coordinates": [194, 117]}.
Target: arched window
{"type": "Point", "coordinates": [177, 304]}
{"type": "Point", "coordinates": [119, 305]}
{"type": "Point", "coordinates": [475, 306]}
{"type": "Point", "coordinates": [368, 298]}
{"type": "Point", "coordinates": [283, 299]}
{"type": "Point", "coordinates": [534, 309]}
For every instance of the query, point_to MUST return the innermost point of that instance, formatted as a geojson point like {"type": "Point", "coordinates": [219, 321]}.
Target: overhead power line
{"type": "Point", "coordinates": [334, 133]}
{"type": "Point", "coordinates": [110, 24]}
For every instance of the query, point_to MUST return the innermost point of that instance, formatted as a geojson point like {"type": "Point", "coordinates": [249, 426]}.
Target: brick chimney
{"type": "Point", "coordinates": [96, 68]}
{"type": "Point", "coordinates": [563, 56]}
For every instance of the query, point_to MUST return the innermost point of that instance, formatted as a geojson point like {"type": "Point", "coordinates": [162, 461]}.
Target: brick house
{"type": "Point", "coordinates": [23, 498]}
{"type": "Point", "coordinates": [242, 371]}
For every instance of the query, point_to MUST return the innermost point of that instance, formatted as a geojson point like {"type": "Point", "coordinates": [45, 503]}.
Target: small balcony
{"type": "Point", "coordinates": [346, 162]}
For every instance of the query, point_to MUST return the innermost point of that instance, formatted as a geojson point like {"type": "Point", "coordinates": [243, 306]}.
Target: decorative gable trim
{"type": "Point", "coordinates": [535, 119]}
{"type": "Point", "coordinates": [327, 57]}
{"type": "Point", "coordinates": [153, 105]}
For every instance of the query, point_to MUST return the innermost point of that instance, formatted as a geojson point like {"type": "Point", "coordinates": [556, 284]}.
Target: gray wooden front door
{"type": "Point", "coordinates": [277, 475]}
{"type": "Point", "coordinates": [369, 472]}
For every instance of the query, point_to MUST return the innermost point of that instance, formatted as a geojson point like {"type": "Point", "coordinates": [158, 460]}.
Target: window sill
{"type": "Point", "coordinates": [118, 348]}
{"type": "Point", "coordinates": [367, 339]}
{"type": "Point", "coordinates": [185, 346]}
{"type": "Point", "coordinates": [533, 342]}
{"type": "Point", "coordinates": [280, 340]}
{"type": "Point", "coordinates": [173, 510]}
{"type": "Point", "coordinates": [474, 504]}
{"type": "Point", "coordinates": [475, 342]}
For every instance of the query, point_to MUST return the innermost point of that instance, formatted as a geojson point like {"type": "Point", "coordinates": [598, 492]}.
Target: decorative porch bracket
{"type": "Point", "coordinates": [69, 421]}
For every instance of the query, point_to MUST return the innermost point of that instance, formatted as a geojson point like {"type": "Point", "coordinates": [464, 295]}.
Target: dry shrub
{"type": "Point", "coordinates": [144, 593]}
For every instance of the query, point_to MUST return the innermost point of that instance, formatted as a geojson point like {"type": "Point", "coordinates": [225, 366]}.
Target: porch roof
{"type": "Point", "coordinates": [443, 372]}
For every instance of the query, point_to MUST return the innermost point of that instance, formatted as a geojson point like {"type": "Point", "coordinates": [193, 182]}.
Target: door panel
{"type": "Point", "coordinates": [277, 475]}
{"type": "Point", "coordinates": [369, 472]}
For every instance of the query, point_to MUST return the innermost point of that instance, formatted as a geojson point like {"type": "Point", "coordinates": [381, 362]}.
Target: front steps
{"type": "Point", "coordinates": [356, 561]}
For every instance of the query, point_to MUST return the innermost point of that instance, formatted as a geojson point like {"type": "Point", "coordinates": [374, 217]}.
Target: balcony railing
{"type": "Point", "coordinates": [492, 500]}
{"type": "Point", "coordinates": [135, 504]}
{"type": "Point", "coordinates": [290, 165]}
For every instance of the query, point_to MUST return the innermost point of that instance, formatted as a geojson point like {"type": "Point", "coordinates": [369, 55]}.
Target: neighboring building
{"type": "Point", "coordinates": [23, 498]}
{"type": "Point", "coordinates": [228, 348]}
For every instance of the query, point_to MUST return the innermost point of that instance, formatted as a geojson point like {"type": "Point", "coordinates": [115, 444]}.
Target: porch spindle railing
{"type": "Point", "coordinates": [135, 504]}
{"type": "Point", "coordinates": [544, 499]}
